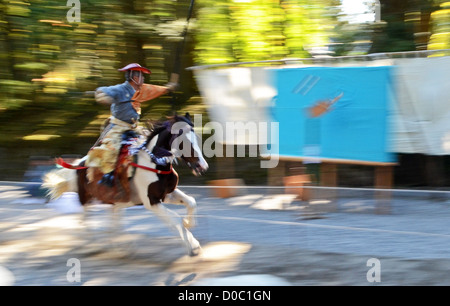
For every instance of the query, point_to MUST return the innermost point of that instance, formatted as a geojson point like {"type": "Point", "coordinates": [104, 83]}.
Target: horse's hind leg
{"type": "Point", "coordinates": [179, 197]}
{"type": "Point", "coordinates": [122, 244]}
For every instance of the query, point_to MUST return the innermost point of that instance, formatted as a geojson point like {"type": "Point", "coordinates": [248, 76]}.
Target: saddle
{"type": "Point", "coordinates": [118, 186]}
{"type": "Point", "coordinates": [112, 187]}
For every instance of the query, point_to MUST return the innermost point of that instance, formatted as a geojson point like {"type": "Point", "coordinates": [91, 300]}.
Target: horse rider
{"type": "Point", "coordinates": [125, 102]}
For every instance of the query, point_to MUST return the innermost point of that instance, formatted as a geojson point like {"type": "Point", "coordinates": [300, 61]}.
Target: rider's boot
{"type": "Point", "coordinates": [107, 179]}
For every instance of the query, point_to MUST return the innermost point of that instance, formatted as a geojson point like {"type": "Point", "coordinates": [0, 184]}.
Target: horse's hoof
{"type": "Point", "coordinates": [188, 224]}
{"type": "Point", "coordinates": [195, 251]}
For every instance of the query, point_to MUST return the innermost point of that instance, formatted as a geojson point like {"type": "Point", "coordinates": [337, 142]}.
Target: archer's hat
{"type": "Point", "coordinates": [135, 66]}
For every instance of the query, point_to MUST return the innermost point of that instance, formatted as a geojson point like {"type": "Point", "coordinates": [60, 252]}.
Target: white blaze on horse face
{"type": "Point", "coordinates": [189, 140]}
{"type": "Point", "coordinates": [180, 139]}
{"type": "Point", "coordinates": [197, 150]}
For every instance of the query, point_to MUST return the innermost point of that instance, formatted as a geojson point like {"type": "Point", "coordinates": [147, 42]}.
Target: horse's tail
{"type": "Point", "coordinates": [59, 181]}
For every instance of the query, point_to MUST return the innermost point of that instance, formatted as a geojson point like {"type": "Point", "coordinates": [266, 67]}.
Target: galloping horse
{"type": "Point", "coordinates": [150, 184]}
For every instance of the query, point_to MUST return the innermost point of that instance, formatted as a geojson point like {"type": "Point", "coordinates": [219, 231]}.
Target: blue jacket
{"type": "Point", "coordinates": [122, 108]}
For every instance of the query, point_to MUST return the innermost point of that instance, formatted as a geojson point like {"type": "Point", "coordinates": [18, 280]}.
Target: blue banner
{"type": "Point", "coordinates": [334, 112]}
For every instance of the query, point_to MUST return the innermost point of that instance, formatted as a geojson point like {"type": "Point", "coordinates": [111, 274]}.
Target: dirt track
{"type": "Point", "coordinates": [37, 242]}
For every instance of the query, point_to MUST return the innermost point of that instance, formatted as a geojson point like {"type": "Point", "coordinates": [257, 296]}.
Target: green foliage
{"type": "Point", "coordinates": [252, 30]}
{"type": "Point", "coordinates": [440, 22]}
{"type": "Point", "coordinates": [47, 62]}
{"type": "Point", "coordinates": [407, 25]}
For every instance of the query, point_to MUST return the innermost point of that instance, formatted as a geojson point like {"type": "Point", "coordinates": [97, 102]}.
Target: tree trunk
{"type": "Point", "coordinates": [407, 25]}
{"type": "Point", "coordinates": [134, 45]}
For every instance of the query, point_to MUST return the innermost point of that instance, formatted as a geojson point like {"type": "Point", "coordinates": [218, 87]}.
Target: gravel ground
{"type": "Point", "coordinates": [258, 234]}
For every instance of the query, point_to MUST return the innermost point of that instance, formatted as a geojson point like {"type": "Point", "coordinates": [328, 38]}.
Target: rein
{"type": "Point", "coordinates": [152, 169]}
{"type": "Point", "coordinates": [62, 163]}
{"type": "Point", "coordinates": [143, 147]}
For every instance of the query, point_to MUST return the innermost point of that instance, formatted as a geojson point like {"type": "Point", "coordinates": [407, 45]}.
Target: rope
{"type": "Point", "coordinates": [320, 187]}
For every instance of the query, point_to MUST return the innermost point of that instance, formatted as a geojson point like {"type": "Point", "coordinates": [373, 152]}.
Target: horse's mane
{"type": "Point", "coordinates": [156, 131]}
{"type": "Point", "coordinates": [161, 126]}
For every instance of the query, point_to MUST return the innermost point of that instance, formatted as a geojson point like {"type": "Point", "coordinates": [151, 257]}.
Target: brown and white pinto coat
{"type": "Point", "coordinates": [145, 187]}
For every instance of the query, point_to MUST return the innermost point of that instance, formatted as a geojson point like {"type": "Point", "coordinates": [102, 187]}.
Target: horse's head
{"type": "Point", "coordinates": [183, 142]}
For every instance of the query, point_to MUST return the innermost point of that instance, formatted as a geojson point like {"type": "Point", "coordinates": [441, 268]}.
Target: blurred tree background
{"type": "Point", "coordinates": [48, 63]}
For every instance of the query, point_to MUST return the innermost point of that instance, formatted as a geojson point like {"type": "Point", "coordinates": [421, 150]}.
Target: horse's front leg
{"type": "Point", "coordinates": [174, 221]}
{"type": "Point", "coordinates": [179, 197]}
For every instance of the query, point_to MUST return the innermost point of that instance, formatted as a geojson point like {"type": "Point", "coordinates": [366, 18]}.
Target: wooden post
{"type": "Point", "coordinates": [328, 178]}
{"type": "Point", "coordinates": [328, 174]}
{"type": "Point", "coordinates": [275, 176]}
{"type": "Point", "coordinates": [226, 191]}
{"type": "Point", "coordinates": [299, 181]}
{"type": "Point", "coordinates": [383, 180]}
{"type": "Point", "coordinates": [225, 176]}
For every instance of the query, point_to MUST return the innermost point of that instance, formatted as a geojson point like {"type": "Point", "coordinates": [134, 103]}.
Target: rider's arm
{"type": "Point", "coordinates": [103, 98]}
{"type": "Point", "coordinates": [108, 94]}
{"type": "Point", "coordinates": [149, 92]}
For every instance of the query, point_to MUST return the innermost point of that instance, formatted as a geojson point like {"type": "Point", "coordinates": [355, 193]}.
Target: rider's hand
{"type": "Point", "coordinates": [103, 98]}
{"type": "Point", "coordinates": [171, 86]}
